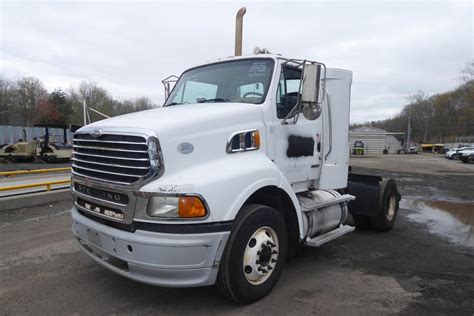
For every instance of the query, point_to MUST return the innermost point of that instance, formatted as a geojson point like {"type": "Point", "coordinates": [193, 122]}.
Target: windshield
{"type": "Point", "coordinates": [245, 81]}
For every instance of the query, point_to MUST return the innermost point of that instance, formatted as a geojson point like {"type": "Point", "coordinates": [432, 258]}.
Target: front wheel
{"type": "Point", "coordinates": [254, 255]}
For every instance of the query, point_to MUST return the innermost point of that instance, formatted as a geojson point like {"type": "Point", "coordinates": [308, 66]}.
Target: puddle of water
{"type": "Point", "coordinates": [451, 219]}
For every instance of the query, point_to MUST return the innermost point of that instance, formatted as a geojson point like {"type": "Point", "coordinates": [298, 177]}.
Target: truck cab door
{"type": "Point", "coordinates": [297, 146]}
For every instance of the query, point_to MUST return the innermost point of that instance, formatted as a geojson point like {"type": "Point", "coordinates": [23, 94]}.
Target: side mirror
{"type": "Point", "coordinates": [310, 91]}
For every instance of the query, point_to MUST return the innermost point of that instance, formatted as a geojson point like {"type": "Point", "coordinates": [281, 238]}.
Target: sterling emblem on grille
{"type": "Point", "coordinates": [96, 133]}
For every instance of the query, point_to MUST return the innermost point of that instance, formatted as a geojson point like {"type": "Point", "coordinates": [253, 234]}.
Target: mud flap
{"type": "Point", "coordinates": [366, 190]}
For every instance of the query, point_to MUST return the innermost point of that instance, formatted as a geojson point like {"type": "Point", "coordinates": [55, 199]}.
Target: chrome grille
{"type": "Point", "coordinates": [122, 159]}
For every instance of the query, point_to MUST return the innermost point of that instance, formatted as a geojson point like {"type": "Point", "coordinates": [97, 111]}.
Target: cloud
{"type": "Point", "coordinates": [393, 48]}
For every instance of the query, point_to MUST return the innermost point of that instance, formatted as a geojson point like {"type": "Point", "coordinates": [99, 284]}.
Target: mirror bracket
{"type": "Point", "coordinates": [313, 78]}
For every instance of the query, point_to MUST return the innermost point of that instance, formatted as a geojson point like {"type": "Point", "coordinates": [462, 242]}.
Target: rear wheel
{"type": "Point", "coordinates": [254, 255]}
{"type": "Point", "coordinates": [387, 206]}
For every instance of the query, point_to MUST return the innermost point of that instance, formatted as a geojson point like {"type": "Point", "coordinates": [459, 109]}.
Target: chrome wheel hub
{"type": "Point", "coordinates": [261, 255]}
{"type": "Point", "coordinates": [391, 206]}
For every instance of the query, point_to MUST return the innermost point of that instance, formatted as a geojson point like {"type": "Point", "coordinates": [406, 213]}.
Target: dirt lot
{"type": "Point", "coordinates": [429, 164]}
{"type": "Point", "coordinates": [425, 265]}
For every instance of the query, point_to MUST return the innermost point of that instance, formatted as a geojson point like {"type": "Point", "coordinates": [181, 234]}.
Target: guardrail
{"type": "Point", "coordinates": [48, 185]}
{"type": "Point", "coordinates": [19, 172]}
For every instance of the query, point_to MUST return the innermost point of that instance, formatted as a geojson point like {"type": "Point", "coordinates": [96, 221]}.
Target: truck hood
{"type": "Point", "coordinates": [206, 128]}
{"type": "Point", "coordinates": [179, 119]}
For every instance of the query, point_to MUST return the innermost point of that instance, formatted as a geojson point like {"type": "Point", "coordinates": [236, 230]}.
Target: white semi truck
{"type": "Point", "coordinates": [245, 163]}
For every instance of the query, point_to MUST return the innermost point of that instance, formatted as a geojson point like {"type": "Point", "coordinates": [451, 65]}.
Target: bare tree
{"type": "Point", "coordinates": [467, 73]}
{"type": "Point", "coordinates": [420, 114]}
{"type": "Point", "coordinates": [7, 96]}
{"type": "Point", "coordinates": [30, 94]}
{"type": "Point", "coordinates": [96, 97]}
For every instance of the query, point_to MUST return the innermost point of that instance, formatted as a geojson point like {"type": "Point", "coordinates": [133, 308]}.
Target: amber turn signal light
{"type": "Point", "coordinates": [191, 206]}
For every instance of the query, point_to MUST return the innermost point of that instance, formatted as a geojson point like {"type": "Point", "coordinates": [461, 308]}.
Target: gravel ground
{"type": "Point", "coordinates": [425, 265]}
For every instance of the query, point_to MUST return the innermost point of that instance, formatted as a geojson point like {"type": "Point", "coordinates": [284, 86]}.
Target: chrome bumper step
{"type": "Point", "coordinates": [333, 234]}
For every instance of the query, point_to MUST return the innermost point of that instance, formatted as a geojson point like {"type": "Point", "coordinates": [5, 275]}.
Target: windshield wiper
{"type": "Point", "coordinates": [173, 103]}
{"type": "Point", "coordinates": [214, 100]}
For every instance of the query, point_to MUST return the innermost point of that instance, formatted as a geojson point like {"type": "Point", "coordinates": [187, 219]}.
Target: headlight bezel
{"type": "Point", "coordinates": [177, 218]}
{"type": "Point", "coordinates": [155, 155]}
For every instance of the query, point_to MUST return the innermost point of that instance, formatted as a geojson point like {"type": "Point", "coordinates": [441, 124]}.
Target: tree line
{"type": "Point", "coordinates": [441, 118]}
{"type": "Point", "coordinates": [25, 102]}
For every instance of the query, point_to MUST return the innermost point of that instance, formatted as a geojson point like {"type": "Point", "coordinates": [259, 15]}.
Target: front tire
{"type": "Point", "coordinates": [254, 255]}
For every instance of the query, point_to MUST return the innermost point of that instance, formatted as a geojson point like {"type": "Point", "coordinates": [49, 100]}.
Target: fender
{"type": "Point", "coordinates": [227, 183]}
{"type": "Point", "coordinates": [259, 184]}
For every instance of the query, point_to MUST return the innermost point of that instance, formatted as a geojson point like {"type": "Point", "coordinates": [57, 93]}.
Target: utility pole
{"type": "Point", "coordinates": [408, 132]}
{"type": "Point", "coordinates": [84, 108]}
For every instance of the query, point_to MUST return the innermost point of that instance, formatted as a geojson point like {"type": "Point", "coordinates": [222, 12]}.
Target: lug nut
{"type": "Point", "coordinates": [274, 252]}
{"type": "Point", "coordinates": [273, 260]}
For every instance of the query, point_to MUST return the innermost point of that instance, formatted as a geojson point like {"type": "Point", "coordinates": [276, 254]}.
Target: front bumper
{"type": "Point", "coordinates": [171, 260]}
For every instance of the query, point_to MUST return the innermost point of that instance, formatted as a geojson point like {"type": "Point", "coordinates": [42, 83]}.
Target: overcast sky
{"type": "Point", "coordinates": [394, 48]}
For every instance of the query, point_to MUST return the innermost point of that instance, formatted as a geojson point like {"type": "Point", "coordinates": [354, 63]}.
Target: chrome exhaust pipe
{"type": "Point", "coordinates": [239, 19]}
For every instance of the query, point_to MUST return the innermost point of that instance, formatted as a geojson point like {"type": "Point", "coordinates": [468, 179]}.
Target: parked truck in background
{"type": "Point", "coordinates": [245, 163]}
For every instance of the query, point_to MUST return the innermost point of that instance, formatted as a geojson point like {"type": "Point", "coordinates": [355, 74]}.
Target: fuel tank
{"type": "Point", "coordinates": [319, 217]}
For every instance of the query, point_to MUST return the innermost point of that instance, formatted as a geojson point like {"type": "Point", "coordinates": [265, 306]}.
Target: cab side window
{"type": "Point", "coordinates": [287, 93]}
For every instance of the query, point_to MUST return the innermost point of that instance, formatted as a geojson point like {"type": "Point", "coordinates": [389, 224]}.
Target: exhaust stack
{"type": "Point", "coordinates": [239, 19]}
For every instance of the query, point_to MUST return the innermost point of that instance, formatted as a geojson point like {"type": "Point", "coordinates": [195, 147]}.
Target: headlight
{"type": "Point", "coordinates": [156, 157]}
{"type": "Point", "coordinates": [243, 141]}
{"type": "Point", "coordinates": [176, 207]}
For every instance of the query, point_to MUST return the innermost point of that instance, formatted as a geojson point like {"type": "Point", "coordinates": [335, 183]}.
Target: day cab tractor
{"type": "Point", "coordinates": [246, 162]}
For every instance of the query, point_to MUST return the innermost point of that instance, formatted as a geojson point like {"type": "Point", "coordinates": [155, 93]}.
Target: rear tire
{"type": "Point", "coordinates": [387, 206]}
{"type": "Point", "coordinates": [258, 232]}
